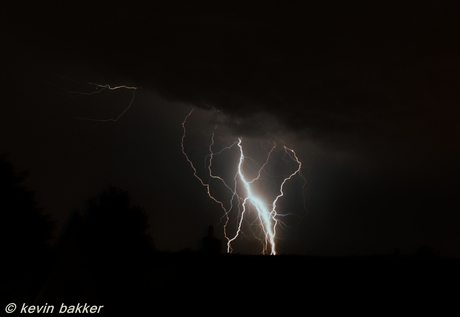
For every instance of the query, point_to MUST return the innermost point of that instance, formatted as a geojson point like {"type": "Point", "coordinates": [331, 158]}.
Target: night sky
{"type": "Point", "coordinates": [366, 94]}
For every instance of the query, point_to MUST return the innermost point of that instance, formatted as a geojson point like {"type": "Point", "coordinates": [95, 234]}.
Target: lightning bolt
{"type": "Point", "coordinates": [123, 112]}
{"type": "Point", "coordinates": [244, 192]}
{"type": "Point", "coordinates": [194, 169]}
{"type": "Point", "coordinates": [98, 88]}
{"type": "Point", "coordinates": [104, 87]}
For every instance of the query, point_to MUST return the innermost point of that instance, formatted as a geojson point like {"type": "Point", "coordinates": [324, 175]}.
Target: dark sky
{"type": "Point", "coordinates": [366, 94]}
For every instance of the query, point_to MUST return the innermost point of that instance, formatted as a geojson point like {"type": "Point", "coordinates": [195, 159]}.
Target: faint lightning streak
{"type": "Point", "coordinates": [193, 167]}
{"type": "Point", "coordinates": [98, 91]}
{"type": "Point", "coordinates": [114, 87]}
{"type": "Point", "coordinates": [281, 194]}
{"type": "Point", "coordinates": [121, 114]}
{"type": "Point", "coordinates": [234, 193]}
{"type": "Point", "coordinates": [99, 88]}
{"type": "Point", "coordinates": [211, 156]}
{"type": "Point", "coordinates": [263, 165]}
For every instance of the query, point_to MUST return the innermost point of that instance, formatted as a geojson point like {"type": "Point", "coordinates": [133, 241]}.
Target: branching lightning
{"type": "Point", "coordinates": [244, 191]}
{"type": "Point", "coordinates": [98, 88]}
{"type": "Point", "coordinates": [102, 88]}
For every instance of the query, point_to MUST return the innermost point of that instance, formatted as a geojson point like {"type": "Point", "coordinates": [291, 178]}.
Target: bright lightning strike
{"type": "Point", "coordinates": [244, 191]}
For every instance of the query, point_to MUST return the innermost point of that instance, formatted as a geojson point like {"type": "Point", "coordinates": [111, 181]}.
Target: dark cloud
{"type": "Point", "coordinates": [317, 67]}
{"type": "Point", "coordinates": [377, 82]}
{"type": "Point", "coordinates": [278, 56]}
{"type": "Point", "coordinates": [370, 79]}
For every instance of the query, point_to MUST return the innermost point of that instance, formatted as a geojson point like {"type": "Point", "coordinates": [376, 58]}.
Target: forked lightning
{"type": "Point", "coordinates": [245, 194]}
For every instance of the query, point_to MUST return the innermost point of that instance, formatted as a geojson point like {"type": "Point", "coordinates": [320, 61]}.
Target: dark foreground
{"type": "Point", "coordinates": [194, 282]}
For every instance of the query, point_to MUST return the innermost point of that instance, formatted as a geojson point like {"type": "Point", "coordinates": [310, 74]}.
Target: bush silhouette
{"type": "Point", "coordinates": [113, 233]}
{"type": "Point", "coordinates": [116, 246]}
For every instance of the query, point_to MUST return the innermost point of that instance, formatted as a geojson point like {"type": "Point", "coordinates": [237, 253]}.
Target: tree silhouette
{"type": "Point", "coordinates": [113, 227]}
{"type": "Point", "coordinates": [25, 231]}
{"type": "Point", "coordinates": [116, 247]}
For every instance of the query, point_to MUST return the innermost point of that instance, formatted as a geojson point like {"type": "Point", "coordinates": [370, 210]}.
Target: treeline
{"type": "Point", "coordinates": [103, 248]}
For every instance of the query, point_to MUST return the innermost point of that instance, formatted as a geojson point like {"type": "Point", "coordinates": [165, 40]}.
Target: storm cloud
{"type": "Point", "coordinates": [374, 83]}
